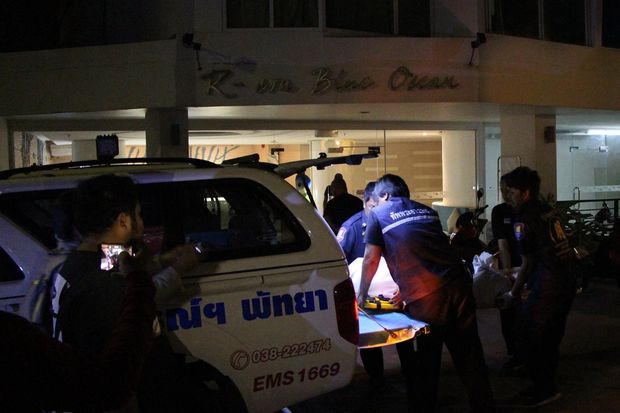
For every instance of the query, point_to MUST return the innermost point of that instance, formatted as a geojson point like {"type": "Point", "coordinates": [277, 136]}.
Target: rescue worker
{"type": "Point", "coordinates": [436, 288]}
{"type": "Point", "coordinates": [351, 234]}
{"type": "Point", "coordinates": [351, 239]}
{"type": "Point", "coordinates": [502, 221]}
{"type": "Point", "coordinates": [545, 270]}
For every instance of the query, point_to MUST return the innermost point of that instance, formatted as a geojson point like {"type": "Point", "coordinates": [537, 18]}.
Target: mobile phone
{"type": "Point", "coordinates": [110, 253]}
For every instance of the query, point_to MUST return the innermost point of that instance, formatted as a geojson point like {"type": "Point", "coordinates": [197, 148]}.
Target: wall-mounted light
{"type": "Point", "coordinates": [606, 132]}
{"type": "Point", "coordinates": [481, 38]}
{"type": "Point", "coordinates": [242, 63]}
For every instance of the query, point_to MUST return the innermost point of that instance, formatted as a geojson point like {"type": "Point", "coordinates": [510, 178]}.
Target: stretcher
{"type": "Point", "coordinates": [378, 329]}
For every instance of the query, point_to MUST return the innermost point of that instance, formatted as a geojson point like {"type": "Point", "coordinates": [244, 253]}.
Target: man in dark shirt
{"type": "Point", "coordinates": [342, 206]}
{"type": "Point", "coordinates": [502, 220]}
{"type": "Point", "coordinates": [351, 239]}
{"type": "Point", "coordinates": [436, 289]}
{"type": "Point", "coordinates": [545, 268]}
{"type": "Point", "coordinates": [41, 373]}
{"type": "Point", "coordinates": [107, 211]}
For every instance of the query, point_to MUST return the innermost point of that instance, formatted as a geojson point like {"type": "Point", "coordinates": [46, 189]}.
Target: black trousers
{"type": "Point", "coordinates": [372, 359]}
{"type": "Point", "coordinates": [507, 318]}
{"type": "Point", "coordinates": [541, 323]}
{"type": "Point", "coordinates": [451, 314]}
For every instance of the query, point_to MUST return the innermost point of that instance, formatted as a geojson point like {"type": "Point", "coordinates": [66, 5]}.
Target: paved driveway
{"type": "Point", "coordinates": [589, 373]}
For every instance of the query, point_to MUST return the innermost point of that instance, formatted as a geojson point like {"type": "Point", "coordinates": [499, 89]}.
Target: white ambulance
{"type": "Point", "coordinates": [268, 318]}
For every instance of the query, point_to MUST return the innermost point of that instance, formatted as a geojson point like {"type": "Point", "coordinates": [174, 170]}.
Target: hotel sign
{"type": "Point", "coordinates": [326, 81]}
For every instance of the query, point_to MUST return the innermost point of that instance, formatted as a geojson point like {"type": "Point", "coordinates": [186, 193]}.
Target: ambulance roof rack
{"type": "Point", "coordinates": [287, 169]}
{"type": "Point", "coordinates": [284, 170]}
{"type": "Point", "coordinates": [198, 163]}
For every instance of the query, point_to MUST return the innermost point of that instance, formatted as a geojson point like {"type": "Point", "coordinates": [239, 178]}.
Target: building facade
{"type": "Point", "coordinates": [454, 92]}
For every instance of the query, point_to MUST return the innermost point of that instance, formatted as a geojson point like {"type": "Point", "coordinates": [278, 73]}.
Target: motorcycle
{"type": "Point", "coordinates": [466, 239]}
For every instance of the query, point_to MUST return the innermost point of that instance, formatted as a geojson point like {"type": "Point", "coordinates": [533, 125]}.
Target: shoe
{"type": "Point", "coordinates": [512, 364]}
{"type": "Point", "coordinates": [528, 398]}
{"type": "Point", "coordinates": [544, 399]}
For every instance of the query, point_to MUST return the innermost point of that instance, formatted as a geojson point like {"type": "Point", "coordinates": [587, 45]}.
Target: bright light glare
{"type": "Point", "coordinates": [607, 132]}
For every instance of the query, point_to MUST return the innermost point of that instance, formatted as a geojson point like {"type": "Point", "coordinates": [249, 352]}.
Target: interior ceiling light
{"type": "Point", "coordinates": [606, 132]}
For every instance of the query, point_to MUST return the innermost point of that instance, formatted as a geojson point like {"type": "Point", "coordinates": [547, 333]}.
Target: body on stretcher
{"type": "Point", "coordinates": [383, 328]}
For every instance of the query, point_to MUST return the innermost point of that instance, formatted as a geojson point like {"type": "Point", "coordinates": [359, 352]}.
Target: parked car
{"type": "Point", "coordinates": [268, 317]}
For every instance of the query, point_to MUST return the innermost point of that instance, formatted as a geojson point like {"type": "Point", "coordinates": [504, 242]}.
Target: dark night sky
{"type": "Point", "coordinates": [28, 25]}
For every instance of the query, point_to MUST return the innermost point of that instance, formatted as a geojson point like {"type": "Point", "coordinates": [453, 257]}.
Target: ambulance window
{"type": "Point", "coordinates": [36, 212]}
{"type": "Point", "coordinates": [230, 218]}
{"type": "Point", "coordinates": [9, 271]}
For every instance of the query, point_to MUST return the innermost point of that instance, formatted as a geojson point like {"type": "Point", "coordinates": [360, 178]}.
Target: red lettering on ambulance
{"type": "Point", "coordinates": [273, 380]}
{"type": "Point", "coordinates": [288, 378]}
{"type": "Point", "coordinates": [259, 383]}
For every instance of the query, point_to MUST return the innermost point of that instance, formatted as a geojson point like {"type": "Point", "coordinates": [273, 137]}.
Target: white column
{"type": "Point", "coordinates": [5, 145]}
{"type": "Point", "coordinates": [167, 132]}
{"type": "Point", "coordinates": [320, 178]}
{"type": "Point", "coordinates": [458, 153]}
{"type": "Point", "coordinates": [529, 138]}
{"type": "Point", "coordinates": [458, 159]}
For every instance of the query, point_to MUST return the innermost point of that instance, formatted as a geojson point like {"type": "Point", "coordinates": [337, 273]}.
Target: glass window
{"type": "Point", "coordinates": [295, 13]}
{"type": "Point", "coordinates": [414, 155]}
{"type": "Point", "coordinates": [514, 18]}
{"type": "Point", "coordinates": [611, 23]}
{"type": "Point", "coordinates": [231, 218]}
{"type": "Point", "coordinates": [374, 16]}
{"type": "Point", "coordinates": [414, 18]}
{"type": "Point", "coordinates": [258, 13]}
{"type": "Point", "coordinates": [247, 13]}
{"type": "Point", "coordinates": [565, 21]}
{"type": "Point", "coordinates": [379, 16]}
{"type": "Point", "coordinates": [37, 213]}
{"type": "Point", "coordinates": [9, 271]}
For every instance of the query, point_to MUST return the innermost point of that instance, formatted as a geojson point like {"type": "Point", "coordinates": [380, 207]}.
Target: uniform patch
{"type": "Point", "coordinates": [341, 233]}
{"type": "Point", "coordinates": [556, 231]}
{"type": "Point", "coordinates": [558, 237]}
{"type": "Point", "coordinates": [519, 229]}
